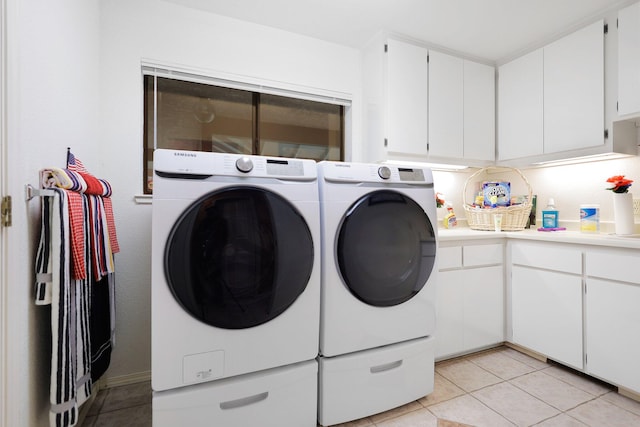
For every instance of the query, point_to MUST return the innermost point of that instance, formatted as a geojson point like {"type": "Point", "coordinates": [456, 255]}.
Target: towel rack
{"type": "Point", "coordinates": [30, 192]}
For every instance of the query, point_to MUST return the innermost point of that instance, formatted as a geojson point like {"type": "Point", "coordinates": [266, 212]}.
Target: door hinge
{"type": "Point", "coordinates": [606, 134]}
{"type": "Point", "coordinates": [6, 211]}
{"type": "Point", "coordinates": [606, 28]}
{"type": "Point", "coordinates": [386, 48]}
{"type": "Point", "coordinates": [385, 142]}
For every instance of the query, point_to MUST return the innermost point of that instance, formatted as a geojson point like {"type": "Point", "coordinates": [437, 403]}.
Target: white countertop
{"type": "Point", "coordinates": [564, 236]}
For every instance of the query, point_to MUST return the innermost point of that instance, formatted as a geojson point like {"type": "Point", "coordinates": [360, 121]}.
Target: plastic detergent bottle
{"type": "Point", "coordinates": [550, 215]}
{"type": "Point", "coordinates": [450, 220]}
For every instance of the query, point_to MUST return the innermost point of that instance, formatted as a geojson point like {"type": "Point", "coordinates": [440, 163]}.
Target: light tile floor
{"type": "Point", "coordinates": [499, 387]}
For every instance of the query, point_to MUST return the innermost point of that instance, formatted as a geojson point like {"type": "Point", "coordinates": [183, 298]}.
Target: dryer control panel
{"type": "Point", "coordinates": [364, 172]}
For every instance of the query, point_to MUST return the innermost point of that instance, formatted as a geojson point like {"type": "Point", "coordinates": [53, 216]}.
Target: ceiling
{"type": "Point", "coordinates": [491, 30]}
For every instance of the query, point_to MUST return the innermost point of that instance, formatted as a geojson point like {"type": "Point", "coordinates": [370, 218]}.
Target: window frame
{"type": "Point", "coordinates": [256, 87]}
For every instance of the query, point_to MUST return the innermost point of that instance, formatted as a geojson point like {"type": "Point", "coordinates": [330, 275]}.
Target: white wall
{"type": "Point", "coordinates": [52, 97]}
{"type": "Point", "coordinates": [162, 32]}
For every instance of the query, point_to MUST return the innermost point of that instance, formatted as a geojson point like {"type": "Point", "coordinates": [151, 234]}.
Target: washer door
{"type": "Point", "coordinates": [386, 248]}
{"type": "Point", "coordinates": [239, 257]}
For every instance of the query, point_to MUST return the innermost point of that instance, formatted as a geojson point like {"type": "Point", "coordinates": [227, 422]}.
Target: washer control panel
{"type": "Point", "coordinates": [201, 165]}
{"type": "Point", "coordinates": [244, 164]}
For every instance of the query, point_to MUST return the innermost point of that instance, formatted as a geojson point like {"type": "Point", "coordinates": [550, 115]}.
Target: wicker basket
{"type": "Point", "coordinates": [514, 218]}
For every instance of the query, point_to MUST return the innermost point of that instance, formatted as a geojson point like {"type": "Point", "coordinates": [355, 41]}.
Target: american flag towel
{"type": "Point", "coordinates": [75, 275]}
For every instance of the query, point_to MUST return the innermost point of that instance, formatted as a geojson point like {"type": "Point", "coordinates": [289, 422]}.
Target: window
{"type": "Point", "coordinates": [185, 115]}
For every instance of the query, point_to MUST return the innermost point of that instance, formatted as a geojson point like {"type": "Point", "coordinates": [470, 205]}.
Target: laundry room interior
{"type": "Point", "coordinates": [497, 318]}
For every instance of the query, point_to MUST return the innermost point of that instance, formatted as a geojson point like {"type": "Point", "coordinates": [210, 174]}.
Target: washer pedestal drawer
{"type": "Point", "coordinates": [280, 397]}
{"type": "Point", "coordinates": [364, 383]}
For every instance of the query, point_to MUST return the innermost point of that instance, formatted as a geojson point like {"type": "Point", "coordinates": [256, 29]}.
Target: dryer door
{"type": "Point", "coordinates": [239, 257]}
{"type": "Point", "coordinates": [386, 248]}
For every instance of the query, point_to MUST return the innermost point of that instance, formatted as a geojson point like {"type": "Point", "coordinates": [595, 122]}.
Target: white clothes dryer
{"type": "Point", "coordinates": [378, 288]}
{"type": "Point", "coordinates": [235, 265]}
{"type": "Point", "coordinates": [379, 249]}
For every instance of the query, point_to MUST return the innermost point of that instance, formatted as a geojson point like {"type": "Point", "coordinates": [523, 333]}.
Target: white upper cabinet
{"type": "Point", "coordinates": [629, 60]}
{"type": "Point", "coordinates": [574, 90]}
{"type": "Point", "coordinates": [461, 108]}
{"type": "Point", "coordinates": [520, 104]}
{"type": "Point", "coordinates": [479, 111]}
{"type": "Point", "coordinates": [435, 106]}
{"type": "Point", "coordinates": [552, 100]}
{"type": "Point", "coordinates": [407, 90]}
{"type": "Point", "coordinates": [446, 111]}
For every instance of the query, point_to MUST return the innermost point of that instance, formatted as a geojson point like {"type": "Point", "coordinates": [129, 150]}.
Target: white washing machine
{"type": "Point", "coordinates": [235, 268]}
{"type": "Point", "coordinates": [379, 231]}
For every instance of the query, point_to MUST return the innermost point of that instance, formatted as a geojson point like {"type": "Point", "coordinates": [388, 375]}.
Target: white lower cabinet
{"type": "Point", "coordinates": [612, 328]}
{"type": "Point", "coordinates": [546, 300]}
{"type": "Point", "coordinates": [612, 320]}
{"type": "Point", "coordinates": [578, 305]}
{"type": "Point", "coordinates": [470, 300]}
{"type": "Point", "coordinates": [547, 313]}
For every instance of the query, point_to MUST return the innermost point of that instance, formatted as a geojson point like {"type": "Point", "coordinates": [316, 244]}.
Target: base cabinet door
{"type": "Point", "coordinates": [612, 330]}
{"type": "Point", "coordinates": [483, 301]}
{"type": "Point", "coordinates": [450, 313]}
{"type": "Point", "coordinates": [547, 313]}
{"type": "Point", "coordinates": [470, 299]}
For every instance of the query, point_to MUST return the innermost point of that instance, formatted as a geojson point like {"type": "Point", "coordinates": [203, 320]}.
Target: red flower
{"type": "Point", "coordinates": [620, 184]}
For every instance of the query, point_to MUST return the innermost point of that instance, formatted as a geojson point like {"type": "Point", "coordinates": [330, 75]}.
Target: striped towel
{"type": "Point", "coordinates": [74, 274]}
{"type": "Point", "coordinates": [71, 383]}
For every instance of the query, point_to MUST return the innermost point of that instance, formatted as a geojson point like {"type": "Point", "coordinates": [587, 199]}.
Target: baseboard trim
{"type": "Point", "coordinates": [535, 355]}
{"type": "Point", "coordinates": [629, 393]}
{"type": "Point", "coordinates": [136, 377]}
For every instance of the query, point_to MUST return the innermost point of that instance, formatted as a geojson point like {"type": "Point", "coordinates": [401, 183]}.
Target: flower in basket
{"type": "Point", "coordinates": [439, 200]}
{"type": "Point", "coordinates": [620, 184]}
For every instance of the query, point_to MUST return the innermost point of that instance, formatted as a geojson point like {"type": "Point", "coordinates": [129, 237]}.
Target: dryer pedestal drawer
{"type": "Point", "coordinates": [367, 382]}
{"type": "Point", "coordinates": [280, 397]}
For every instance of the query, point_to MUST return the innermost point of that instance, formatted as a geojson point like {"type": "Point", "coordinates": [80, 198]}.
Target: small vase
{"type": "Point", "coordinates": [623, 213]}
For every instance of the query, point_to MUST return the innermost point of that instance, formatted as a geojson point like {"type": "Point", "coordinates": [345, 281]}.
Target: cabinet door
{"type": "Point", "coordinates": [450, 321]}
{"type": "Point", "coordinates": [449, 257]}
{"type": "Point", "coordinates": [445, 105]}
{"type": "Point", "coordinates": [483, 301]}
{"type": "Point", "coordinates": [479, 255]}
{"type": "Point", "coordinates": [407, 90]}
{"type": "Point", "coordinates": [574, 90]}
{"type": "Point", "coordinates": [547, 313]}
{"type": "Point", "coordinates": [612, 325]}
{"type": "Point", "coordinates": [479, 111]}
{"type": "Point", "coordinates": [613, 264]}
{"type": "Point", "coordinates": [629, 59]}
{"type": "Point", "coordinates": [520, 103]}
{"type": "Point", "coordinates": [550, 256]}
